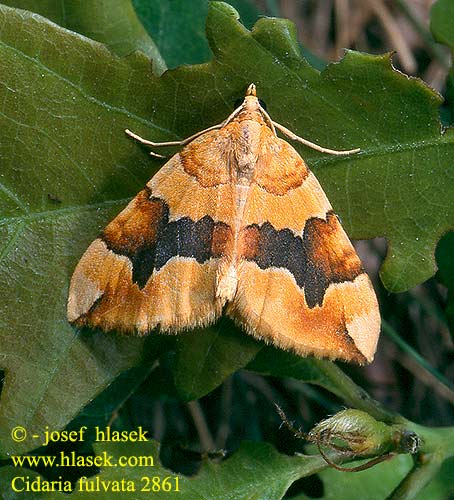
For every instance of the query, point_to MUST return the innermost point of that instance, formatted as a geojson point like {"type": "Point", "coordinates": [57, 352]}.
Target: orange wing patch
{"type": "Point", "coordinates": [279, 167]}
{"type": "Point", "coordinates": [237, 219]}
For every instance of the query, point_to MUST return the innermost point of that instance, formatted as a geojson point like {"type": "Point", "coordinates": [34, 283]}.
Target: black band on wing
{"type": "Point", "coordinates": [144, 234]}
{"type": "Point", "coordinates": [322, 256]}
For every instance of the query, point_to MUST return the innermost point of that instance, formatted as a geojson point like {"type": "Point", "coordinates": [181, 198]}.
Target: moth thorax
{"type": "Point", "coordinates": [250, 114]}
{"type": "Point", "coordinates": [245, 172]}
{"type": "Point", "coordinates": [247, 149]}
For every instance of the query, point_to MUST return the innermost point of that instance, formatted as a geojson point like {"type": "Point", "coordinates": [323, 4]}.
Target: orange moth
{"type": "Point", "coordinates": [234, 222]}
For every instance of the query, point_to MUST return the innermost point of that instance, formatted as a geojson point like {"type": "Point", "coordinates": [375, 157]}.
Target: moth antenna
{"type": "Point", "coordinates": [232, 115]}
{"type": "Point", "coordinates": [156, 155]}
{"type": "Point", "coordinates": [312, 145]}
{"type": "Point", "coordinates": [268, 119]}
{"type": "Point", "coordinates": [146, 142]}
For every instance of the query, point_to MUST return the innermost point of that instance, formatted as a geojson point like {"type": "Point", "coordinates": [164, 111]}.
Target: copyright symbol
{"type": "Point", "coordinates": [19, 434]}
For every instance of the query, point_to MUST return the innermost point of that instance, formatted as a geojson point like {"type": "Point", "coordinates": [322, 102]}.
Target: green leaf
{"type": "Point", "coordinates": [205, 358]}
{"type": "Point", "coordinates": [178, 27]}
{"type": "Point", "coordinates": [104, 410]}
{"type": "Point", "coordinates": [271, 361]}
{"type": "Point", "coordinates": [255, 472]}
{"type": "Point", "coordinates": [441, 486]}
{"type": "Point", "coordinates": [372, 484]}
{"type": "Point", "coordinates": [112, 22]}
{"type": "Point", "coordinates": [67, 168]}
{"type": "Point", "coordinates": [441, 16]}
{"type": "Point", "coordinates": [379, 481]}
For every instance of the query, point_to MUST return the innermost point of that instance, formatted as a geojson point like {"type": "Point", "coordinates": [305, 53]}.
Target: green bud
{"type": "Point", "coordinates": [358, 433]}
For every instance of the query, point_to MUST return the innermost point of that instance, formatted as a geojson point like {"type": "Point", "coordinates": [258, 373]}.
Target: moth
{"type": "Point", "coordinates": [234, 223]}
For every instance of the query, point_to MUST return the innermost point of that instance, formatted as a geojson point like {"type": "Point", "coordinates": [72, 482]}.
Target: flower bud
{"type": "Point", "coordinates": [358, 433]}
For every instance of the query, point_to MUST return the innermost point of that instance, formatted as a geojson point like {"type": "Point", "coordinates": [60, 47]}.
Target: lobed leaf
{"type": "Point", "coordinates": [178, 27]}
{"type": "Point", "coordinates": [112, 22]}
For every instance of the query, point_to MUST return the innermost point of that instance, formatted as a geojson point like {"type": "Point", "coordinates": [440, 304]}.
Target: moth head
{"type": "Point", "coordinates": [250, 101]}
{"type": "Point", "coordinates": [251, 108]}
{"type": "Point", "coordinates": [251, 90]}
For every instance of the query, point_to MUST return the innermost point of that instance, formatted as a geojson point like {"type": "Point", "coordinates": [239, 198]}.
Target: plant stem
{"type": "Point", "coordinates": [417, 478]}
{"type": "Point", "coordinates": [356, 396]}
{"type": "Point", "coordinates": [437, 446]}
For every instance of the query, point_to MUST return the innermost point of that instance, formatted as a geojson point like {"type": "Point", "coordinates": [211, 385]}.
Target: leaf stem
{"type": "Point", "coordinates": [355, 395]}
{"type": "Point", "coordinates": [417, 478]}
{"type": "Point", "coordinates": [437, 446]}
